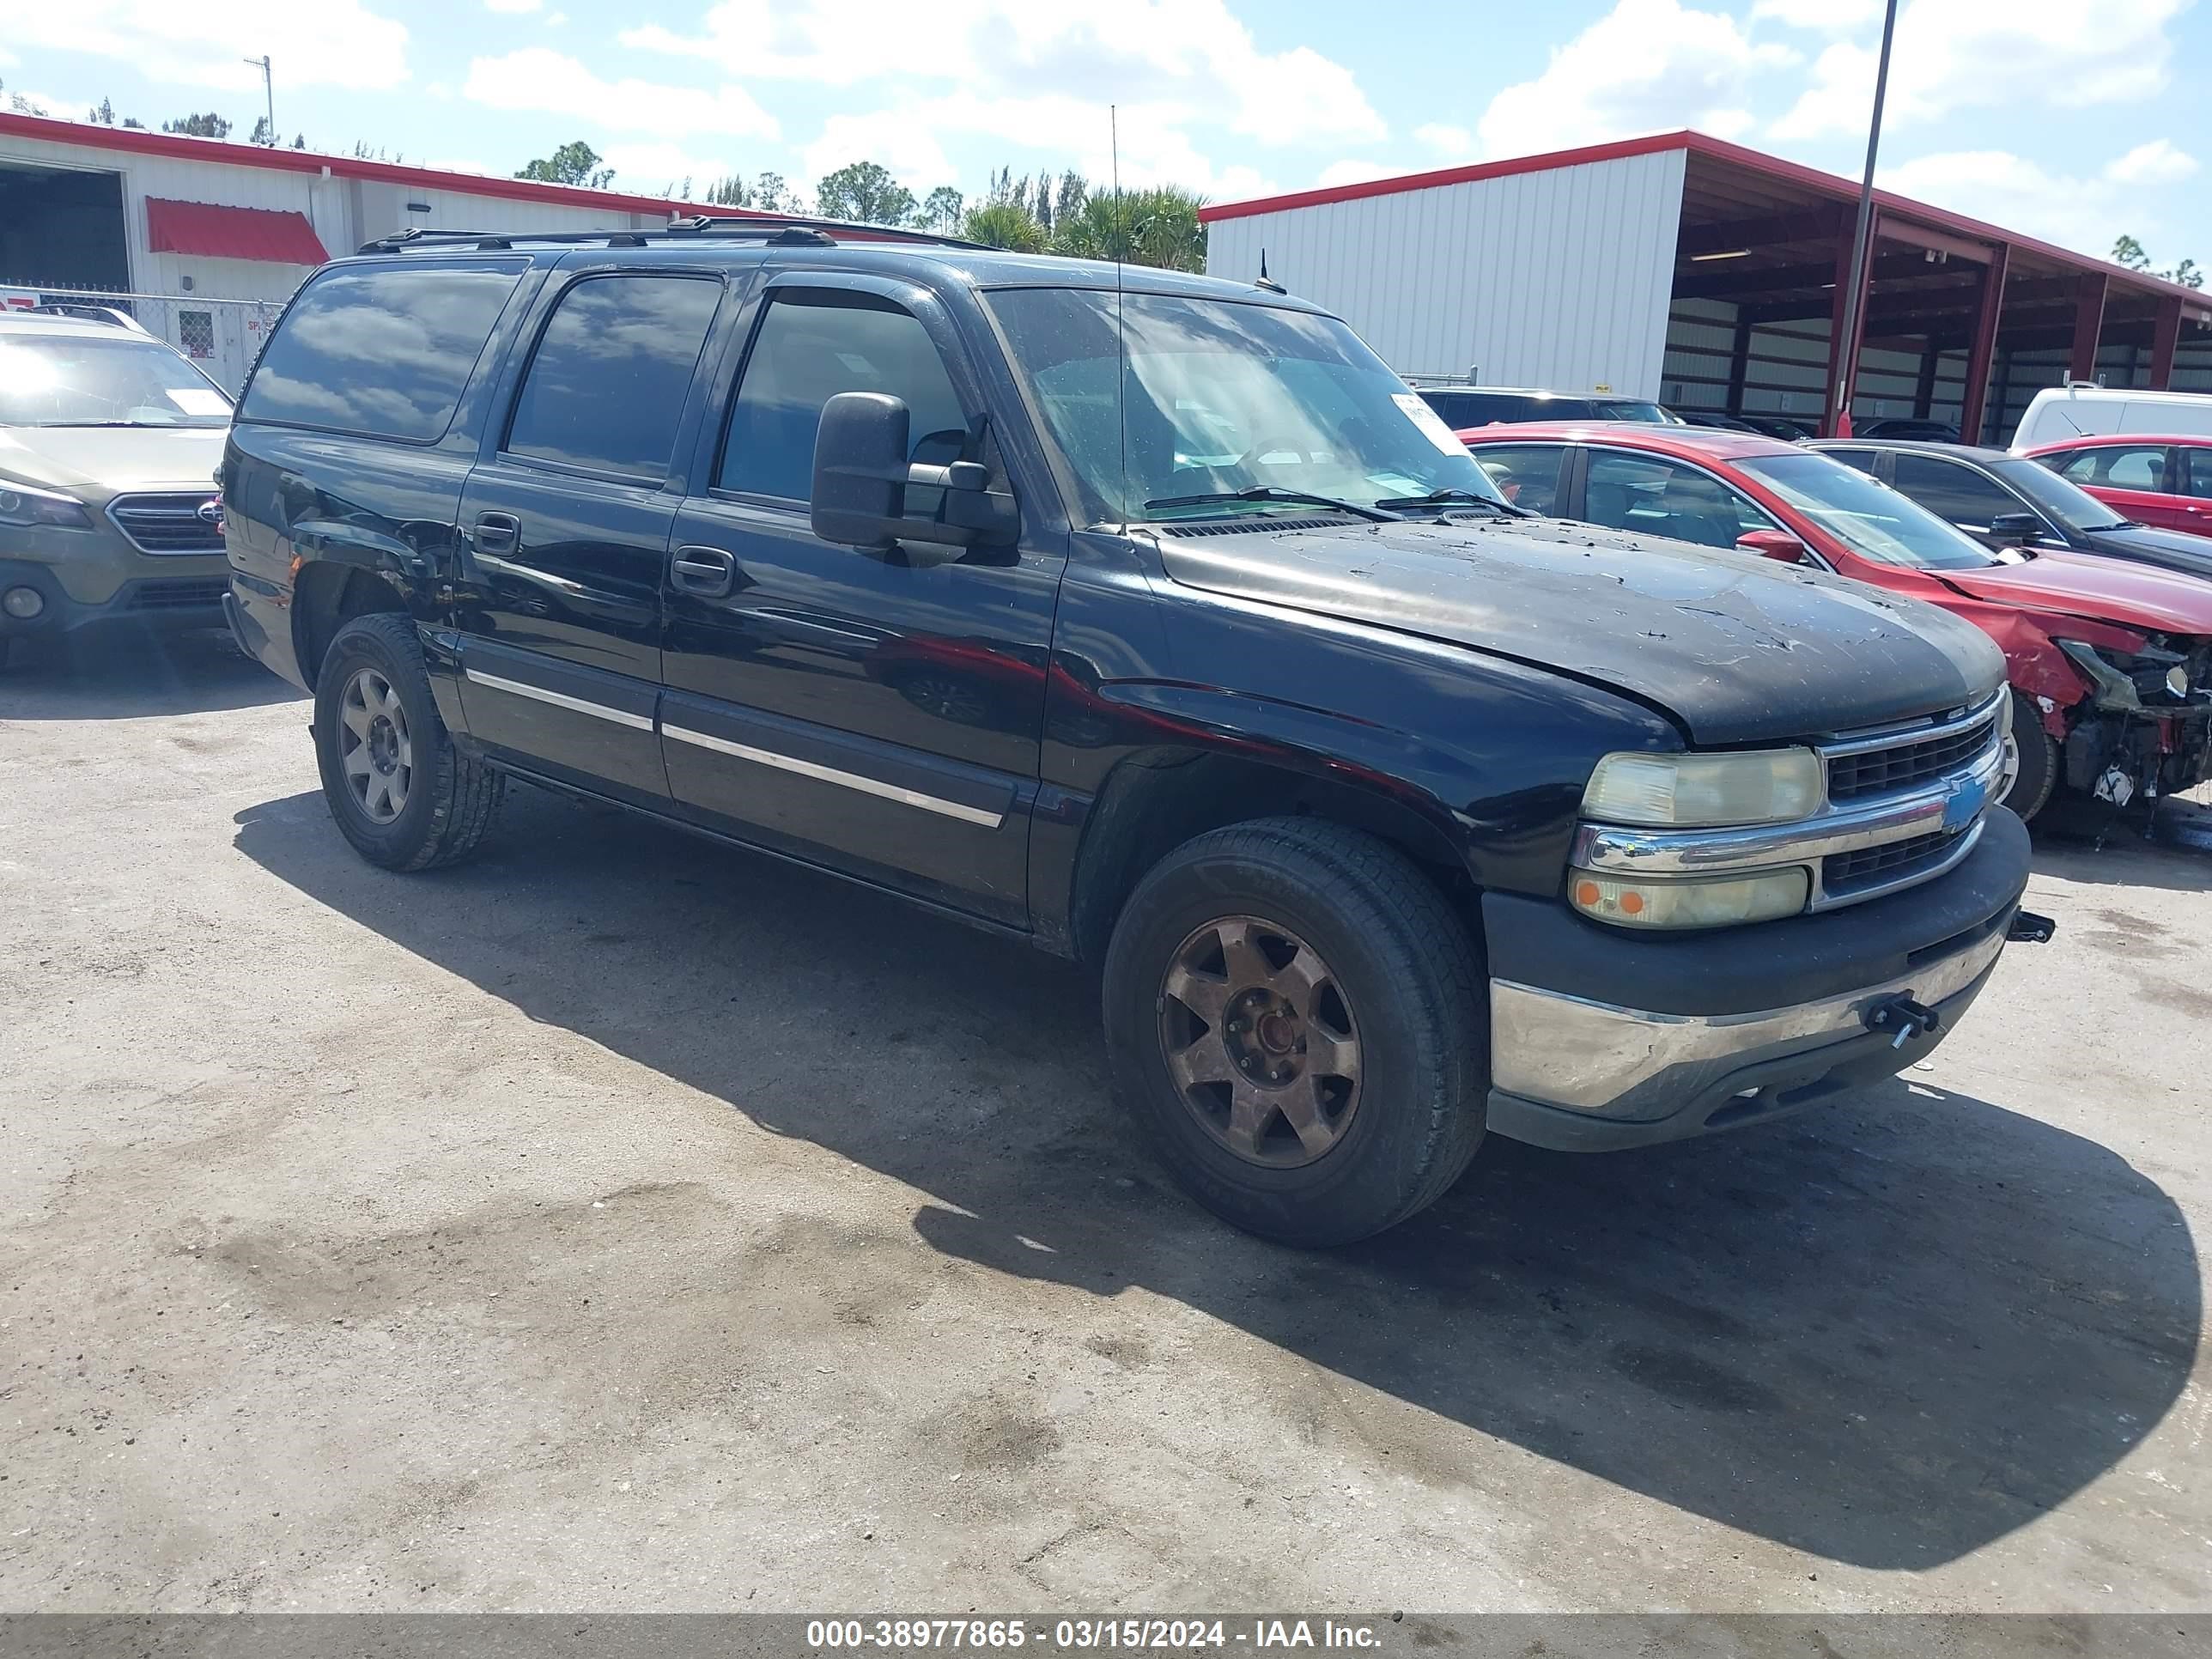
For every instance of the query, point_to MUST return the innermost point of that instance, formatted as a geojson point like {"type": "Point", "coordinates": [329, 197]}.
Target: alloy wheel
{"type": "Point", "coordinates": [1261, 1040]}
{"type": "Point", "coordinates": [375, 749]}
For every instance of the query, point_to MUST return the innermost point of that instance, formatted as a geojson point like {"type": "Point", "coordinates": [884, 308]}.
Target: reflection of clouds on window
{"type": "Point", "coordinates": [384, 349]}
{"type": "Point", "coordinates": [607, 385]}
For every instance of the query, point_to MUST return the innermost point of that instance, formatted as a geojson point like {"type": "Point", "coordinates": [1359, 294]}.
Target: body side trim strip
{"type": "Point", "coordinates": [867, 786]}
{"type": "Point", "coordinates": [560, 700]}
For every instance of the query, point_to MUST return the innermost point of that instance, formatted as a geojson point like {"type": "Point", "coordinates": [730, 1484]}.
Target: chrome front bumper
{"type": "Point", "coordinates": [1592, 1076]}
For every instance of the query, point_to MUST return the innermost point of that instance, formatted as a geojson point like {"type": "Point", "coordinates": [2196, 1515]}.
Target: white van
{"type": "Point", "coordinates": [2075, 411]}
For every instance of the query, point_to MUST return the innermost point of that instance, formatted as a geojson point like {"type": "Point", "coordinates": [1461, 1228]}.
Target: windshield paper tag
{"type": "Point", "coordinates": [1432, 423]}
{"type": "Point", "coordinates": [198, 400]}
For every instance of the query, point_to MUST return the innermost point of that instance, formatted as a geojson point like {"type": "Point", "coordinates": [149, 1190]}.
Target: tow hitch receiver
{"type": "Point", "coordinates": [2029, 928]}
{"type": "Point", "coordinates": [1902, 1018]}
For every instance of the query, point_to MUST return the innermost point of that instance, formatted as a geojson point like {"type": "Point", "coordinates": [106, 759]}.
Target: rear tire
{"type": "Point", "coordinates": [1366, 1098]}
{"type": "Point", "coordinates": [401, 793]}
{"type": "Point", "coordinates": [2037, 772]}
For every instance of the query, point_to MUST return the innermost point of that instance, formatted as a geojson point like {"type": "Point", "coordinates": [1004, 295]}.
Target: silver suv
{"type": "Point", "coordinates": [109, 439]}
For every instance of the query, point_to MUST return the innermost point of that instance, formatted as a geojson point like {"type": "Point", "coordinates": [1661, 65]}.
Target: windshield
{"type": "Point", "coordinates": [2061, 499]}
{"type": "Point", "coordinates": [69, 380]}
{"type": "Point", "coordinates": [1868, 516]}
{"type": "Point", "coordinates": [1220, 397]}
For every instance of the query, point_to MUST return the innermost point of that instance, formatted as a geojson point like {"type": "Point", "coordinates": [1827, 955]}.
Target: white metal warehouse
{"type": "Point", "coordinates": [205, 239]}
{"type": "Point", "coordinates": [1711, 276]}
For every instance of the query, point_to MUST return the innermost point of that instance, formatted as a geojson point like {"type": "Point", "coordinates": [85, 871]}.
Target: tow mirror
{"type": "Point", "coordinates": [860, 470]}
{"type": "Point", "coordinates": [1777, 544]}
{"type": "Point", "coordinates": [861, 477]}
{"type": "Point", "coordinates": [2016, 528]}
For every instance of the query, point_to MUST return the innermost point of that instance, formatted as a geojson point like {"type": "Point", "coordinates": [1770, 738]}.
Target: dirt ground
{"type": "Point", "coordinates": [622, 1220]}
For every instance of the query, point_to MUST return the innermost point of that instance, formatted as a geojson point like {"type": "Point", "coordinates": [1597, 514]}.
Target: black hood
{"type": "Point", "coordinates": [1738, 648]}
{"type": "Point", "coordinates": [2170, 549]}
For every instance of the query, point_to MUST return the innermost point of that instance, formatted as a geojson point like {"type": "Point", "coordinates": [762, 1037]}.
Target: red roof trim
{"type": "Point", "coordinates": [138, 141]}
{"type": "Point", "coordinates": [217, 231]}
{"type": "Point", "coordinates": [1459, 175]}
{"type": "Point", "coordinates": [2196, 302]}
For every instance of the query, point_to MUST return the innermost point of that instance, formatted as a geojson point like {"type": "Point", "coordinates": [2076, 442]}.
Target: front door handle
{"type": "Point", "coordinates": [709, 572]}
{"type": "Point", "coordinates": [498, 532]}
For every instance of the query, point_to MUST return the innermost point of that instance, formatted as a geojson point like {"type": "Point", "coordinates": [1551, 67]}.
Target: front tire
{"type": "Point", "coordinates": [1295, 1020]}
{"type": "Point", "coordinates": [400, 791]}
{"type": "Point", "coordinates": [2036, 766]}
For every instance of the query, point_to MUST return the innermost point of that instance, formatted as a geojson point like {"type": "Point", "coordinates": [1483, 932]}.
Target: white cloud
{"type": "Point", "coordinates": [539, 78]}
{"type": "Point", "coordinates": [514, 7]}
{"type": "Point", "coordinates": [1452, 143]}
{"type": "Point", "coordinates": [1645, 66]}
{"type": "Point", "coordinates": [649, 168]}
{"type": "Point", "coordinates": [1953, 55]}
{"type": "Point", "coordinates": [2083, 213]}
{"type": "Point", "coordinates": [1829, 16]}
{"type": "Point", "coordinates": [906, 147]}
{"type": "Point", "coordinates": [2157, 162]}
{"type": "Point", "coordinates": [334, 43]}
{"type": "Point", "coordinates": [1352, 171]}
{"type": "Point", "coordinates": [1194, 50]}
{"type": "Point", "coordinates": [1037, 76]}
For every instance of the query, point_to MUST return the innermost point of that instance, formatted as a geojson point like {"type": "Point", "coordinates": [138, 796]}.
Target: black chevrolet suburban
{"type": "Point", "coordinates": [1147, 617]}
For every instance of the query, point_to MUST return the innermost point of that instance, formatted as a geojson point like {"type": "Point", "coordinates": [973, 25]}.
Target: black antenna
{"type": "Point", "coordinates": [1266, 281]}
{"type": "Point", "coordinates": [1120, 325]}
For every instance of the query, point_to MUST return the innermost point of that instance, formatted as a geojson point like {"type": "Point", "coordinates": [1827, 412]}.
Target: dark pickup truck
{"type": "Point", "coordinates": [1149, 618]}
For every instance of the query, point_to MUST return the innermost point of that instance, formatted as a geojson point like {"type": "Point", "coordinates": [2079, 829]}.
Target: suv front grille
{"type": "Point", "coordinates": [1908, 761]}
{"type": "Point", "coordinates": [179, 592]}
{"type": "Point", "coordinates": [1892, 861]}
{"type": "Point", "coordinates": [168, 524]}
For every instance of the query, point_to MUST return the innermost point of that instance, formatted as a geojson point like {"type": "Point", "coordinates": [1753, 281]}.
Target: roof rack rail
{"type": "Point", "coordinates": [787, 232]}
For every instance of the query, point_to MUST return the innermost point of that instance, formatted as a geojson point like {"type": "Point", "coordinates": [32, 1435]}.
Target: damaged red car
{"type": "Point", "coordinates": [2111, 663]}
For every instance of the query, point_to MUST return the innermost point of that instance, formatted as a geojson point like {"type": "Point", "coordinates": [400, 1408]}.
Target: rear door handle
{"type": "Point", "coordinates": [709, 572]}
{"type": "Point", "coordinates": [498, 532]}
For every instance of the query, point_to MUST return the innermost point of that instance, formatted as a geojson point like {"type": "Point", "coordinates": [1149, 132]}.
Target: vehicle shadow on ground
{"type": "Point", "coordinates": [1888, 1333]}
{"type": "Point", "coordinates": [127, 676]}
{"type": "Point", "coordinates": [2170, 848]}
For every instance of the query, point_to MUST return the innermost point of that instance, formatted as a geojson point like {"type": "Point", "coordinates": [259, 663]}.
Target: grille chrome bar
{"type": "Point", "coordinates": [168, 522]}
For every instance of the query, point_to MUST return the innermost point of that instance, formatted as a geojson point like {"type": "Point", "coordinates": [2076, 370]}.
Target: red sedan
{"type": "Point", "coordinates": [2166, 482]}
{"type": "Point", "coordinates": [2106, 659]}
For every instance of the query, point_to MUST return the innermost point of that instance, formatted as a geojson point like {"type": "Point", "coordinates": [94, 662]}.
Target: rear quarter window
{"type": "Point", "coordinates": [385, 350]}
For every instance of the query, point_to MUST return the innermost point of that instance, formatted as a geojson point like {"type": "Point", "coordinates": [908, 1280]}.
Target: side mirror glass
{"type": "Point", "coordinates": [2014, 528]}
{"type": "Point", "coordinates": [1777, 544]}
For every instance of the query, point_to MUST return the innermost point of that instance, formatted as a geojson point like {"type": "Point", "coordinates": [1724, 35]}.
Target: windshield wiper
{"type": "Point", "coordinates": [1455, 498]}
{"type": "Point", "coordinates": [1273, 493]}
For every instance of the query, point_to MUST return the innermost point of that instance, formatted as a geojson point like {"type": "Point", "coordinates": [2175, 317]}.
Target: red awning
{"type": "Point", "coordinates": [232, 233]}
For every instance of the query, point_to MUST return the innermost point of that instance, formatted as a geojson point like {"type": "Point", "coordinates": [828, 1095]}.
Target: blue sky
{"type": "Point", "coordinates": [2070, 120]}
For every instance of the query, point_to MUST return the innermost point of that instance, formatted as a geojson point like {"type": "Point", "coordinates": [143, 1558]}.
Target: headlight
{"type": "Point", "coordinates": [22, 505]}
{"type": "Point", "coordinates": [1689, 902]}
{"type": "Point", "coordinates": [1765, 785]}
{"type": "Point", "coordinates": [2123, 679]}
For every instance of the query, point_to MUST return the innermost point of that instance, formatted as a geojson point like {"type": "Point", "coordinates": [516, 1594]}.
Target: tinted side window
{"type": "Point", "coordinates": [1455, 409]}
{"type": "Point", "coordinates": [1527, 475]}
{"type": "Point", "coordinates": [1862, 459]}
{"type": "Point", "coordinates": [1953, 492]}
{"type": "Point", "coordinates": [2120, 466]}
{"type": "Point", "coordinates": [607, 385]}
{"type": "Point", "coordinates": [1664, 498]}
{"type": "Point", "coordinates": [1487, 408]}
{"type": "Point", "coordinates": [2196, 464]}
{"type": "Point", "coordinates": [380, 349]}
{"type": "Point", "coordinates": [812, 346]}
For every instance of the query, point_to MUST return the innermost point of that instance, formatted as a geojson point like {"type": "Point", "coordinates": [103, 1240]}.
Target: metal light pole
{"type": "Point", "coordinates": [269, 90]}
{"type": "Point", "coordinates": [1847, 356]}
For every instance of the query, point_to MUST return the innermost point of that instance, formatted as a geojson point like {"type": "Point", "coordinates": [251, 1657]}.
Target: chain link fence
{"type": "Point", "coordinates": [223, 337]}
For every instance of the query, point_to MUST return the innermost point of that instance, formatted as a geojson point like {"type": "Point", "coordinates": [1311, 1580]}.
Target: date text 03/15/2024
{"type": "Point", "coordinates": [830, 1635]}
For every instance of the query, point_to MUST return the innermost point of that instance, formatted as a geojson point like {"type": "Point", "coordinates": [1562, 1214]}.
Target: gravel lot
{"type": "Point", "coordinates": [625, 1221]}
